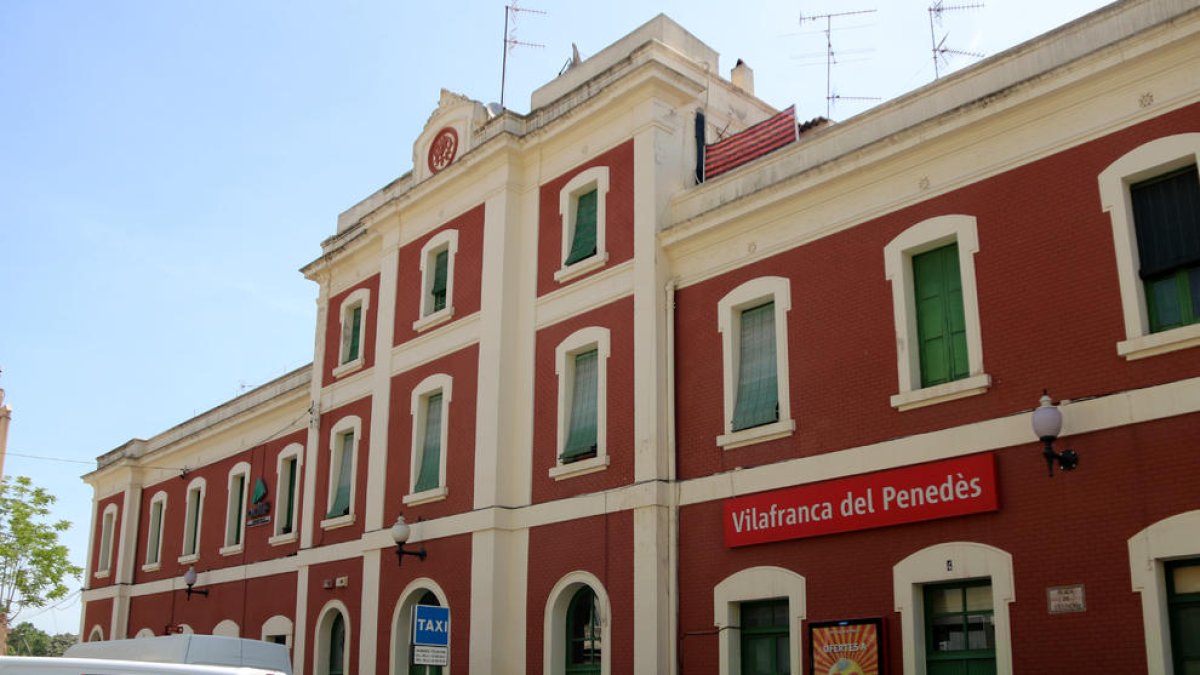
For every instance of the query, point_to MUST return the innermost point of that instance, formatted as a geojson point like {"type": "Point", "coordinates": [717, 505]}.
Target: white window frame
{"type": "Point", "coordinates": [294, 452]}
{"type": "Point", "coordinates": [359, 298]}
{"type": "Point", "coordinates": [227, 628]}
{"type": "Point", "coordinates": [350, 424]}
{"type": "Point", "coordinates": [922, 237]}
{"type": "Point", "coordinates": [948, 562]}
{"type": "Point", "coordinates": [749, 295]}
{"type": "Point", "coordinates": [160, 500]}
{"type": "Point", "coordinates": [108, 533]}
{"type": "Point", "coordinates": [430, 386]}
{"type": "Point", "coordinates": [750, 585]}
{"type": "Point", "coordinates": [96, 634]}
{"type": "Point", "coordinates": [402, 622]}
{"type": "Point", "coordinates": [446, 240]}
{"type": "Point", "coordinates": [582, 340]}
{"type": "Point", "coordinates": [191, 519]}
{"type": "Point", "coordinates": [242, 470]}
{"type": "Point", "coordinates": [1168, 539]}
{"type": "Point", "coordinates": [554, 627]}
{"type": "Point", "coordinates": [585, 181]}
{"type": "Point", "coordinates": [321, 648]}
{"type": "Point", "coordinates": [1146, 161]}
{"type": "Point", "coordinates": [278, 625]}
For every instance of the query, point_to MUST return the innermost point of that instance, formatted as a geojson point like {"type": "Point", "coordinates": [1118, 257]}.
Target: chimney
{"type": "Point", "coordinates": [742, 77]}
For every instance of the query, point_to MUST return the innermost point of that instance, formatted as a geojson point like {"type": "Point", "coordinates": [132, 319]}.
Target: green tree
{"type": "Point", "coordinates": [29, 640]}
{"type": "Point", "coordinates": [33, 564]}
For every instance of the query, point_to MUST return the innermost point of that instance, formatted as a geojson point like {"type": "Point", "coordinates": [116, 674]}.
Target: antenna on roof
{"type": "Point", "coordinates": [942, 53]}
{"type": "Point", "coordinates": [511, 41]}
{"type": "Point", "coordinates": [830, 56]}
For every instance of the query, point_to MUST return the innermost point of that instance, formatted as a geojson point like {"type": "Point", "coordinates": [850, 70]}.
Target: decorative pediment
{"type": "Point", "coordinates": [448, 134]}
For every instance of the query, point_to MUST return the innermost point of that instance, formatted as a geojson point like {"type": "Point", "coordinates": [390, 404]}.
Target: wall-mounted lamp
{"type": "Point", "coordinates": [400, 534]}
{"type": "Point", "coordinates": [1047, 422]}
{"type": "Point", "coordinates": [189, 578]}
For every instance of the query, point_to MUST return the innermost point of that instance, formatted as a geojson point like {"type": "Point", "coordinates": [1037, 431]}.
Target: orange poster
{"type": "Point", "coordinates": [845, 647]}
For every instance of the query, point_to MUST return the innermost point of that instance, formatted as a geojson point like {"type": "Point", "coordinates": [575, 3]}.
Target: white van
{"type": "Point", "coordinates": [208, 650]}
{"type": "Point", "coordinates": [48, 665]}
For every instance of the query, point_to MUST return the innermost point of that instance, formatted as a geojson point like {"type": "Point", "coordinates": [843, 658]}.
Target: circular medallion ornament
{"type": "Point", "coordinates": [443, 149]}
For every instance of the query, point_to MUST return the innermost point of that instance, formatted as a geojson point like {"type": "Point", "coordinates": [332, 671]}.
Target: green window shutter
{"type": "Point", "coordinates": [194, 522]}
{"type": "Point", "coordinates": [289, 507]}
{"type": "Point", "coordinates": [757, 386]}
{"type": "Point", "coordinates": [583, 241]}
{"type": "Point", "coordinates": [155, 533]}
{"type": "Point", "coordinates": [581, 429]}
{"type": "Point", "coordinates": [238, 492]}
{"type": "Point", "coordinates": [941, 323]}
{"type": "Point", "coordinates": [354, 332]}
{"type": "Point", "coordinates": [764, 637]}
{"type": "Point", "coordinates": [429, 476]}
{"type": "Point", "coordinates": [441, 263]}
{"type": "Point", "coordinates": [337, 645]}
{"type": "Point", "coordinates": [341, 498]}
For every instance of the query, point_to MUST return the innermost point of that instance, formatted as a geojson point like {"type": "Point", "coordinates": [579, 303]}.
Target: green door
{"type": "Point", "coordinates": [960, 636]}
{"type": "Point", "coordinates": [764, 645]}
{"type": "Point", "coordinates": [1183, 605]}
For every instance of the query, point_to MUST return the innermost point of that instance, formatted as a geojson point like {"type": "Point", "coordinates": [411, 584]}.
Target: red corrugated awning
{"type": "Point", "coordinates": [745, 146]}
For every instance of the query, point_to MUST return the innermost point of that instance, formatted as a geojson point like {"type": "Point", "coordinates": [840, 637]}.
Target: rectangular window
{"type": "Point", "coordinates": [287, 496]}
{"type": "Point", "coordinates": [941, 323]}
{"type": "Point", "coordinates": [583, 237]}
{"type": "Point", "coordinates": [1166, 213]}
{"type": "Point", "coordinates": [342, 468]}
{"type": "Point", "coordinates": [154, 535]}
{"type": "Point", "coordinates": [960, 631]}
{"type": "Point", "coordinates": [437, 289]}
{"type": "Point", "coordinates": [233, 513]}
{"type": "Point", "coordinates": [1183, 606]}
{"type": "Point", "coordinates": [351, 334]}
{"type": "Point", "coordinates": [765, 639]}
{"type": "Point", "coordinates": [431, 445]}
{"type": "Point", "coordinates": [191, 529]}
{"type": "Point", "coordinates": [581, 429]}
{"type": "Point", "coordinates": [757, 387]}
{"type": "Point", "coordinates": [106, 537]}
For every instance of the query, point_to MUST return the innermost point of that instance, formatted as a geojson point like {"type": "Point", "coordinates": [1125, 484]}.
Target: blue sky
{"type": "Point", "coordinates": [166, 167]}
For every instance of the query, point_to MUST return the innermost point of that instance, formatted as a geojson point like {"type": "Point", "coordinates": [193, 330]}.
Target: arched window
{"type": "Point", "coordinates": [337, 645]}
{"type": "Point", "coordinates": [332, 653]}
{"type": "Point", "coordinates": [427, 598]}
{"type": "Point", "coordinates": [585, 644]}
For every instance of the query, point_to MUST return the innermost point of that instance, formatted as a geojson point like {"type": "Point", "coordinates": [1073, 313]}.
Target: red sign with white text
{"type": "Point", "coordinates": [952, 487]}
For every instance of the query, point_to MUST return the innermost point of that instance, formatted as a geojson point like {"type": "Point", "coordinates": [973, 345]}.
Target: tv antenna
{"type": "Point", "coordinates": [830, 55]}
{"type": "Point", "coordinates": [942, 53]}
{"type": "Point", "coordinates": [510, 40]}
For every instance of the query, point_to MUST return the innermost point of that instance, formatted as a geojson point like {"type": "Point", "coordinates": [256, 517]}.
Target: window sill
{"type": "Point", "coordinates": [340, 521]}
{"type": "Point", "coordinates": [1160, 343]}
{"type": "Point", "coordinates": [582, 267]}
{"type": "Point", "coordinates": [231, 550]}
{"type": "Point", "coordinates": [189, 558]}
{"type": "Point", "coordinates": [347, 368]}
{"type": "Point", "coordinates": [436, 319]}
{"type": "Point", "coordinates": [760, 434]}
{"type": "Point", "coordinates": [280, 539]}
{"type": "Point", "coordinates": [919, 398]}
{"type": "Point", "coordinates": [102, 574]}
{"type": "Point", "coordinates": [151, 567]}
{"type": "Point", "coordinates": [425, 496]}
{"type": "Point", "coordinates": [580, 468]}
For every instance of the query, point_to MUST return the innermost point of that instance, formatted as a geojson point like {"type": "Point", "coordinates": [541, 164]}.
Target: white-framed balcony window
{"type": "Point", "coordinates": [193, 519]}
{"type": "Point", "coordinates": [352, 346]}
{"type": "Point", "coordinates": [1152, 197]}
{"type": "Point", "coordinates": [430, 409]}
{"type": "Point", "coordinates": [437, 279]}
{"type": "Point", "coordinates": [235, 509]}
{"type": "Point", "coordinates": [752, 320]}
{"type": "Point", "coordinates": [935, 305]}
{"type": "Point", "coordinates": [343, 458]}
{"type": "Point", "coordinates": [287, 485]}
{"type": "Point", "coordinates": [581, 364]}
{"type": "Point", "coordinates": [582, 207]}
{"type": "Point", "coordinates": [108, 523]}
{"type": "Point", "coordinates": [154, 531]}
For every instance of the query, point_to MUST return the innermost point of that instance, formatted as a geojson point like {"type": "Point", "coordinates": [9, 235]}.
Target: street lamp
{"type": "Point", "coordinates": [400, 532]}
{"type": "Point", "coordinates": [1047, 422]}
{"type": "Point", "coordinates": [189, 578]}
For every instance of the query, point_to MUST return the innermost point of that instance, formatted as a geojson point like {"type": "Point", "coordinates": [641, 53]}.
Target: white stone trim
{"type": "Point", "coordinates": [430, 386]}
{"type": "Point", "coordinates": [925, 236]}
{"type": "Point", "coordinates": [941, 563]}
{"type": "Point", "coordinates": [554, 630]}
{"type": "Point", "coordinates": [594, 178]}
{"type": "Point", "coordinates": [108, 531]}
{"type": "Point", "coordinates": [351, 424]}
{"type": "Point", "coordinates": [1169, 538]}
{"type": "Point", "coordinates": [96, 634]}
{"type": "Point", "coordinates": [402, 622]}
{"type": "Point", "coordinates": [444, 240]}
{"type": "Point", "coordinates": [358, 298]}
{"type": "Point", "coordinates": [195, 520]}
{"type": "Point", "coordinates": [232, 510]}
{"type": "Point", "coordinates": [582, 340]}
{"type": "Point", "coordinates": [321, 637]}
{"type": "Point", "coordinates": [227, 628]}
{"type": "Point", "coordinates": [1145, 161]}
{"type": "Point", "coordinates": [144, 633]}
{"type": "Point", "coordinates": [278, 625]}
{"type": "Point", "coordinates": [295, 452]}
{"type": "Point", "coordinates": [160, 499]}
{"type": "Point", "coordinates": [748, 295]}
{"type": "Point", "coordinates": [750, 584]}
